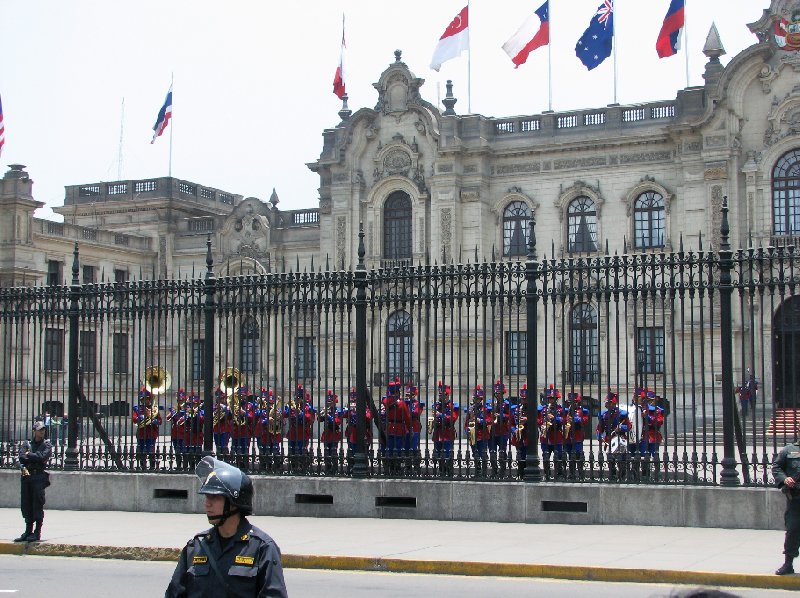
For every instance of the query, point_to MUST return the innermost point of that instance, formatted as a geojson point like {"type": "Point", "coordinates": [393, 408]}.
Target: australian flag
{"type": "Point", "coordinates": [597, 41]}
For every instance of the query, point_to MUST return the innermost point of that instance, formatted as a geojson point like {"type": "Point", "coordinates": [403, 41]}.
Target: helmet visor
{"type": "Point", "coordinates": [218, 477]}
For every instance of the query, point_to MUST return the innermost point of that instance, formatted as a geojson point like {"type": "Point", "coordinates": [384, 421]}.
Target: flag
{"type": "Point", "coordinates": [338, 77]}
{"type": "Point", "coordinates": [164, 115]}
{"type": "Point", "coordinates": [454, 40]}
{"type": "Point", "coordinates": [2, 129]}
{"type": "Point", "coordinates": [597, 41]}
{"type": "Point", "coordinates": [669, 39]}
{"type": "Point", "coordinates": [534, 33]}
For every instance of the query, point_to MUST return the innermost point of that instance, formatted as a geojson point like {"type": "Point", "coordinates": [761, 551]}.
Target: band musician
{"type": "Point", "coordinates": [300, 416]}
{"type": "Point", "coordinates": [478, 426]}
{"type": "Point", "coordinates": [243, 419]}
{"type": "Point", "coordinates": [612, 432]}
{"type": "Point", "coordinates": [193, 426]}
{"type": "Point", "coordinates": [501, 429]}
{"type": "Point", "coordinates": [415, 408]}
{"type": "Point", "coordinates": [351, 431]}
{"type": "Point", "coordinates": [652, 422]}
{"type": "Point", "coordinates": [576, 423]}
{"type": "Point", "coordinates": [398, 426]}
{"type": "Point", "coordinates": [442, 429]}
{"type": "Point", "coordinates": [519, 438]}
{"type": "Point", "coordinates": [331, 437]}
{"type": "Point", "coordinates": [176, 416]}
{"type": "Point", "coordinates": [269, 432]}
{"type": "Point", "coordinates": [222, 423]}
{"type": "Point", "coordinates": [550, 420]}
{"type": "Point", "coordinates": [147, 419]}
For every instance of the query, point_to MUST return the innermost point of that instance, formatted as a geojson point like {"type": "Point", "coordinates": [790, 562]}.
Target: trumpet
{"type": "Point", "coordinates": [275, 420]}
{"type": "Point", "coordinates": [219, 412]}
{"type": "Point", "coordinates": [151, 415]}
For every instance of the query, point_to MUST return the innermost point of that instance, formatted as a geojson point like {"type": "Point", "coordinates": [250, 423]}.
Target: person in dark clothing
{"type": "Point", "coordinates": [33, 457]}
{"type": "Point", "coordinates": [786, 471]}
{"type": "Point", "coordinates": [234, 558]}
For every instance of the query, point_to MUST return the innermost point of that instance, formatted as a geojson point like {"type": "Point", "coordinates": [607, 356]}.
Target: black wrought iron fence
{"type": "Point", "coordinates": [646, 367]}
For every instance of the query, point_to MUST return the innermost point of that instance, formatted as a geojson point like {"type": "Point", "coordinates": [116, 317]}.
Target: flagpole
{"type": "Point", "coordinates": [686, 37]}
{"type": "Point", "coordinates": [121, 132]}
{"type": "Point", "coordinates": [469, 62]}
{"type": "Point", "coordinates": [172, 128]}
{"type": "Point", "coordinates": [549, 59]}
{"type": "Point", "coordinates": [614, 42]}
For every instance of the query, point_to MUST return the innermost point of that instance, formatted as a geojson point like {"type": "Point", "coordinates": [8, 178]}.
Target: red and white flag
{"type": "Point", "coordinates": [454, 40]}
{"type": "Point", "coordinates": [338, 77]}
{"type": "Point", "coordinates": [2, 129]}
{"type": "Point", "coordinates": [534, 33]}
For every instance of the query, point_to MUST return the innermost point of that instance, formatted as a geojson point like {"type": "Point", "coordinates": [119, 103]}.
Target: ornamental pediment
{"type": "Point", "coordinates": [779, 25]}
{"type": "Point", "coordinates": [784, 118]}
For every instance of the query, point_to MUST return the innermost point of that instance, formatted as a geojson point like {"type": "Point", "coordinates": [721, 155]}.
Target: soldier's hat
{"type": "Point", "coordinates": [331, 398]}
{"type": "Point", "coordinates": [574, 397]}
{"type": "Point", "coordinates": [181, 393]}
{"type": "Point", "coordinates": [499, 388]}
{"type": "Point", "coordinates": [218, 393]}
{"type": "Point", "coordinates": [478, 393]}
{"type": "Point", "coordinates": [444, 390]}
{"type": "Point", "coordinates": [410, 390]}
{"type": "Point", "coordinates": [523, 392]}
{"type": "Point", "coordinates": [552, 392]}
{"type": "Point", "coordinates": [299, 393]}
{"type": "Point", "coordinates": [144, 393]}
{"type": "Point", "coordinates": [353, 393]}
{"type": "Point", "coordinates": [393, 388]}
{"type": "Point", "coordinates": [612, 398]}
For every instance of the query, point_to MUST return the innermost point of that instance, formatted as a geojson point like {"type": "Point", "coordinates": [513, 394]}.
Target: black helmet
{"type": "Point", "coordinates": [226, 480]}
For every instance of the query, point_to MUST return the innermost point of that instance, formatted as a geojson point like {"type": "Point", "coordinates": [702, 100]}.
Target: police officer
{"type": "Point", "coordinates": [786, 470]}
{"type": "Point", "coordinates": [33, 458]}
{"type": "Point", "coordinates": [233, 558]}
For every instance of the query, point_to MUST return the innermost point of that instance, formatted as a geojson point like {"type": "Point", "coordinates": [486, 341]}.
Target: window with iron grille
{"type": "Point", "coordinates": [786, 194]}
{"type": "Point", "coordinates": [54, 350]}
{"type": "Point", "coordinates": [249, 345]}
{"type": "Point", "coordinates": [399, 338]}
{"type": "Point", "coordinates": [88, 351]}
{"type": "Point", "coordinates": [89, 276]}
{"type": "Point", "coordinates": [198, 359]}
{"type": "Point", "coordinates": [397, 226]}
{"type": "Point", "coordinates": [54, 269]}
{"type": "Point", "coordinates": [516, 224]}
{"type": "Point", "coordinates": [516, 353]}
{"type": "Point", "coordinates": [585, 347]}
{"type": "Point", "coordinates": [650, 350]}
{"type": "Point", "coordinates": [119, 357]}
{"type": "Point", "coordinates": [305, 358]}
{"type": "Point", "coordinates": [649, 220]}
{"type": "Point", "coordinates": [582, 225]}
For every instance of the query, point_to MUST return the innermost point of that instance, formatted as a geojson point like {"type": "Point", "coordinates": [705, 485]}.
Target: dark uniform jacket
{"type": "Point", "coordinates": [250, 564]}
{"type": "Point", "coordinates": [36, 460]}
{"type": "Point", "coordinates": [787, 464]}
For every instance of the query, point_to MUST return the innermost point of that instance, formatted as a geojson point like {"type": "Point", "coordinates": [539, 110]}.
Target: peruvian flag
{"type": "Point", "coordinates": [454, 40]}
{"type": "Point", "coordinates": [669, 38]}
{"type": "Point", "coordinates": [534, 33]}
{"type": "Point", "coordinates": [338, 77]}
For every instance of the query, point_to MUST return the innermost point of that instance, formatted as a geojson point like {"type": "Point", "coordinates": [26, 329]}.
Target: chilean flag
{"type": "Point", "coordinates": [454, 40]}
{"type": "Point", "coordinates": [668, 42]}
{"type": "Point", "coordinates": [534, 33]}
{"type": "Point", "coordinates": [338, 77]}
{"type": "Point", "coordinates": [164, 116]}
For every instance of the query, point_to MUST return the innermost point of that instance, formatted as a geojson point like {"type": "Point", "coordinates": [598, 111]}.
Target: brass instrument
{"type": "Point", "coordinates": [156, 380]}
{"type": "Point", "coordinates": [473, 435]}
{"type": "Point", "coordinates": [275, 418]}
{"type": "Point", "coordinates": [219, 411]}
{"type": "Point", "coordinates": [430, 425]}
{"type": "Point", "coordinates": [230, 380]}
{"type": "Point", "coordinates": [150, 416]}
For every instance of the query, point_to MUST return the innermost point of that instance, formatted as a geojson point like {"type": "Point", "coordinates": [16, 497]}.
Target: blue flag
{"type": "Point", "coordinates": [597, 41]}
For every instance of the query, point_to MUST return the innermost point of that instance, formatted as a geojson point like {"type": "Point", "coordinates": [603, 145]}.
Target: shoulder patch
{"type": "Point", "coordinates": [199, 560]}
{"type": "Point", "coordinates": [243, 560]}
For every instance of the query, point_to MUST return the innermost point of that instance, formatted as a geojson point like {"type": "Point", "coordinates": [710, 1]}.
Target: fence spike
{"type": "Point", "coordinates": [624, 244]}
{"type": "Point", "coordinates": [700, 236]}
{"type": "Point", "coordinates": [606, 246]}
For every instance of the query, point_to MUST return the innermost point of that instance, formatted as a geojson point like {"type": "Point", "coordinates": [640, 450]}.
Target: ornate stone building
{"type": "Point", "coordinates": [433, 186]}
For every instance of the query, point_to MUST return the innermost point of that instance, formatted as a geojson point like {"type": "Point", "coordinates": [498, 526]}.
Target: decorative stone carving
{"type": "Point", "coordinates": [396, 162]}
{"type": "Point", "coordinates": [341, 240]}
{"type": "Point", "coordinates": [470, 193]}
{"type": "Point", "coordinates": [716, 214]}
{"type": "Point", "coordinates": [325, 205]}
{"type": "Point", "coordinates": [716, 141]}
{"type": "Point", "coordinates": [766, 77]}
{"type": "Point", "coordinates": [471, 169]}
{"type": "Point", "coordinates": [579, 162]}
{"type": "Point", "coordinates": [716, 171]}
{"type": "Point", "coordinates": [645, 157]}
{"type": "Point", "coordinates": [445, 168]}
{"type": "Point", "coordinates": [692, 147]}
{"type": "Point", "coordinates": [446, 224]}
{"type": "Point", "coordinates": [516, 168]}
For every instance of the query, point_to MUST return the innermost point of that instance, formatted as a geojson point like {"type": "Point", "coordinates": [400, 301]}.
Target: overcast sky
{"type": "Point", "coordinates": [253, 79]}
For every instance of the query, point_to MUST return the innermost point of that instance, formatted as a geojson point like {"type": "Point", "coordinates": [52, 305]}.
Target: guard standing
{"type": "Point", "coordinates": [233, 557]}
{"type": "Point", "coordinates": [577, 422]}
{"type": "Point", "coordinates": [501, 429]}
{"type": "Point", "coordinates": [33, 458]}
{"type": "Point", "coordinates": [398, 425]}
{"type": "Point", "coordinates": [786, 470]}
{"type": "Point", "coordinates": [147, 418]}
{"type": "Point", "coordinates": [478, 426]}
{"type": "Point", "coordinates": [331, 419]}
{"type": "Point", "coordinates": [550, 420]}
{"type": "Point", "coordinates": [442, 426]}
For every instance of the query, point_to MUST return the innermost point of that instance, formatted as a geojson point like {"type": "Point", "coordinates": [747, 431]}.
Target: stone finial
{"type": "Point", "coordinates": [397, 55]}
{"type": "Point", "coordinates": [345, 112]}
{"type": "Point", "coordinates": [713, 49]}
{"type": "Point", "coordinates": [449, 101]}
{"type": "Point", "coordinates": [16, 171]}
{"type": "Point", "coordinates": [273, 199]}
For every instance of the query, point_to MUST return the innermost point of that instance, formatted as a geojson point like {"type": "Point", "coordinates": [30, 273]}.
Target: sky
{"type": "Point", "coordinates": [82, 81]}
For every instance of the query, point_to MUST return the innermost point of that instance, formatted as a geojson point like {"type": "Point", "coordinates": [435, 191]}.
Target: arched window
{"type": "Point", "coordinates": [250, 334]}
{"type": "Point", "coordinates": [786, 194]}
{"type": "Point", "coordinates": [516, 222]}
{"type": "Point", "coordinates": [581, 225]}
{"type": "Point", "coordinates": [399, 351]}
{"type": "Point", "coordinates": [585, 348]}
{"type": "Point", "coordinates": [397, 227]}
{"type": "Point", "coordinates": [648, 220]}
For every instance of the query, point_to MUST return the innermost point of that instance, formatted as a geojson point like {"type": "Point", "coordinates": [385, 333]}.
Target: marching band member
{"type": "Point", "coordinates": [575, 427]}
{"type": "Point", "coordinates": [519, 439]}
{"type": "Point", "coordinates": [550, 419]}
{"type": "Point", "coordinates": [147, 418]}
{"type": "Point", "coordinates": [443, 424]}
{"type": "Point", "coordinates": [242, 422]}
{"type": "Point", "coordinates": [300, 416]}
{"type": "Point", "coordinates": [478, 426]}
{"type": "Point", "coordinates": [612, 432]}
{"type": "Point", "coordinates": [193, 426]}
{"type": "Point", "coordinates": [222, 423]}
{"type": "Point", "coordinates": [351, 431]}
{"type": "Point", "coordinates": [331, 436]}
{"type": "Point", "coordinates": [416, 408]}
{"type": "Point", "coordinates": [269, 432]}
{"type": "Point", "coordinates": [501, 428]}
{"type": "Point", "coordinates": [398, 425]}
{"type": "Point", "coordinates": [177, 419]}
{"type": "Point", "coordinates": [653, 420]}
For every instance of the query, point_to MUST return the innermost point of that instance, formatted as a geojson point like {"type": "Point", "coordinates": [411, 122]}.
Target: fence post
{"type": "Point", "coordinates": [729, 475]}
{"type": "Point", "coordinates": [210, 288]}
{"type": "Point", "coordinates": [533, 470]}
{"type": "Point", "coordinates": [71, 462]}
{"type": "Point", "coordinates": [360, 456]}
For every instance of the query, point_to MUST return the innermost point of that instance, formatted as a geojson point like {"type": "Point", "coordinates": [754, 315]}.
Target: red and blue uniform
{"type": "Point", "coordinates": [222, 422]}
{"type": "Point", "coordinates": [398, 422]}
{"type": "Point", "coordinates": [268, 430]}
{"type": "Point", "coordinates": [550, 419]}
{"type": "Point", "coordinates": [614, 422]}
{"type": "Point", "coordinates": [519, 423]}
{"type": "Point", "coordinates": [652, 421]}
{"type": "Point", "coordinates": [193, 425]}
{"type": "Point", "coordinates": [177, 418]}
{"type": "Point", "coordinates": [300, 418]}
{"type": "Point", "coordinates": [331, 419]}
{"type": "Point", "coordinates": [415, 408]}
{"type": "Point", "coordinates": [242, 422]}
{"type": "Point", "coordinates": [577, 418]}
{"type": "Point", "coordinates": [501, 427]}
{"type": "Point", "coordinates": [351, 431]}
{"type": "Point", "coordinates": [478, 427]}
{"type": "Point", "coordinates": [445, 416]}
{"type": "Point", "coordinates": [146, 431]}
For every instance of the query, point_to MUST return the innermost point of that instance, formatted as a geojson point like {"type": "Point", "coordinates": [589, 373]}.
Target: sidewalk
{"type": "Point", "coordinates": [697, 556]}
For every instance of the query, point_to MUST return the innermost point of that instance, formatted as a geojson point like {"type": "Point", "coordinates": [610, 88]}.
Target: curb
{"type": "Point", "coordinates": [352, 563]}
